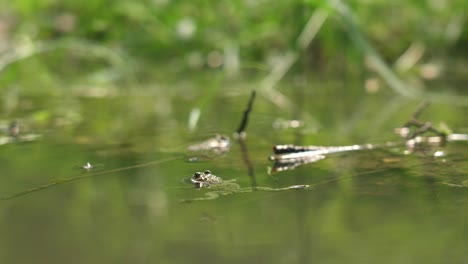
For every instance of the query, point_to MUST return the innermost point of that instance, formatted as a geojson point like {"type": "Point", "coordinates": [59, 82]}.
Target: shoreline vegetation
{"type": "Point", "coordinates": [127, 40]}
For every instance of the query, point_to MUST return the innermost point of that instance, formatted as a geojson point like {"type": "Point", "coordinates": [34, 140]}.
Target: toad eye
{"type": "Point", "coordinates": [197, 175]}
{"type": "Point", "coordinates": [207, 172]}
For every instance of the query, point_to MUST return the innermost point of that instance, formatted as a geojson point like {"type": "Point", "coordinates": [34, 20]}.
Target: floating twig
{"type": "Point", "coordinates": [66, 180]}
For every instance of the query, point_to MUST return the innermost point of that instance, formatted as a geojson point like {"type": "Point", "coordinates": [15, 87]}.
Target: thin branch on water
{"type": "Point", "coordinates": [88, 175]}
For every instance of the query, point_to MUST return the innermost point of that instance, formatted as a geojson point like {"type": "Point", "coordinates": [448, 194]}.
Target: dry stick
{"type": "Point", "coordinates": [421, 107]}
{"type": "Point", "coordinates": [241, 137]}
{"type": "Point", "coordinates": [245, 118]}
{"type": "Point", "coordinates": [414, 121]}
{"type": "Point", "coordinates": [60, 181]}
{"type": "Point", "coordinates": [422, 127]}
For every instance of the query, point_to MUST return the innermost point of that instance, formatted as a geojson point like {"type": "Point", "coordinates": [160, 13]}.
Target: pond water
{"type": "Point", "coordinates": [378, 206]}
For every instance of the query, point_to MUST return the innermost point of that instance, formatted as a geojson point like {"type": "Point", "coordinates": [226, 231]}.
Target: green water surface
{"type": "Point", "coordinates": [364, 207]}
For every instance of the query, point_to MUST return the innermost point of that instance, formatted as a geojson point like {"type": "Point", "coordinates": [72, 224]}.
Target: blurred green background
{"type": "Point", "coordinates": [124, 43]}
{"type": "Point", "coordinates": [120, 83]}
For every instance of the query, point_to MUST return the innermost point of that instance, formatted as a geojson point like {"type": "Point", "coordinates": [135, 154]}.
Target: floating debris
{"type": "Point", "coordinates": [414, 132]}
{"type": "Point", "coordinates": [210, 148]}
{"type": "Point", "coordinates": [288, 157]}
{"type": "Point", "coordinates": [88, 166]}
{"type": "Point", "coordinates": [218, 144]}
